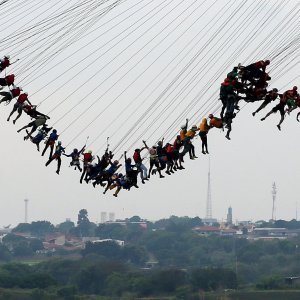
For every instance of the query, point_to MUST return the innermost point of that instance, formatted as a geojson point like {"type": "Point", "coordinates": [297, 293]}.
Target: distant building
{"type": "Point", "coordinates": [119, 242]}
{"type": "Point", "coordinates": [111, 217]}
{"type": "Point", "coordinates": [103, 217]}
{"type": "Point", "coordinates": [274, 233]}
{"type": "Point", "coordinates": [229, 216]}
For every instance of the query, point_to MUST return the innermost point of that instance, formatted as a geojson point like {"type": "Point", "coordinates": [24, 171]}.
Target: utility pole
{"type": "Point", "coordinates": [26, 210]}
{"type": "Point", "coordinates": [274, 192]}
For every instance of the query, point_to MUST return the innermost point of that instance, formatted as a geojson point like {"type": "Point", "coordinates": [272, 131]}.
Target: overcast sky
{"type": "Point", "coordinates": [143, 67]}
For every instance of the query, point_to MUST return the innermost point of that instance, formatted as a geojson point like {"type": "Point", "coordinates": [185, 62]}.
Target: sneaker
{"type": "Point", "coordinates": [57, 172]}
{"type": "Point", "coordinates": [278, 126]}
{"type": "Point", "coordinates": [262, 119]}
{"type": "Point", "coordinates": [195, 156]}
{"type": "Point", "coordinates": [167, 172]}
{"type": "Point", "coordinates": [7, 120]}
{"type": "Point", "coordinates": [161, 176]}
{"type": "Point", "coordinates": [14, 121]}
{"type": "Point", "coordinates": [172, 171]}
{"type": "Point", "coordinates": [203, 152]}
{"type": "Point", "coordinates": [253, 114]}
{"type": "Point", "coordinates": [115, 195]}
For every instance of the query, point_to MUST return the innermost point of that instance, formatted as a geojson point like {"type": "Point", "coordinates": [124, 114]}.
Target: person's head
{"type": "Point", "coordinates": [137, 150]}
{"type": "Point", "coordinates": [178, 137]}
{"type": "Point", "coordinates": [182, 127]}
{"type": "Point", "coordinates": [116, 162]}
{"type": "Point", "coordinates": [159, 143]}
{"type": "Point", "coordinates": [54, 131]}
{"type": "Point", "coordinates": [75, 150]}
{"type": "Point", "coordinates": [7, 56]}
{"type": "Point", "coordinates": [128, 160]}
{"type": "Point", "coordinates": [267, 62]}
{"type": "Point", "coordinates": [194, 127]}
{"type": "Point", "coordinates": [90, 151]}
{"type": "Point", "coordinates": [210, 116]}
{"type": "Point", "coordinates": [275, 90]}
{"type": "Point", "coordinates": [59, 143]}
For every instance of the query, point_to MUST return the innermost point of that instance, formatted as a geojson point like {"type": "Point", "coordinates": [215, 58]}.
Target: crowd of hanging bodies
{"type": "Point", "coordinates": [248, 83]}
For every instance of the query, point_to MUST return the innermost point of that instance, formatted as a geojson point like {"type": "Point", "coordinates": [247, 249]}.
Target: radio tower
{"type": "Point", "coordinates": [208, 200]}
{"type": "Point", "coordinates": [26, 210]}
{"type": "Point", "coordinates": [274, 192]}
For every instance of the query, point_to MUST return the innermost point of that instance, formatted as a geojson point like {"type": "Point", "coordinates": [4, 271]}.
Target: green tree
{"type": "Point", "coordinates": [65, 227]}
{"type": "Point", "coordinates": [83, 223]}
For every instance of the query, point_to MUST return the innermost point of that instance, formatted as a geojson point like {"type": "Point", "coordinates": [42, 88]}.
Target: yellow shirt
{"type": "Point", "coordinates": [191, 133]}
{"type": "Point", "coordinates": [203, 127]}
{"type": "Point", "coordinates": [182, 134]}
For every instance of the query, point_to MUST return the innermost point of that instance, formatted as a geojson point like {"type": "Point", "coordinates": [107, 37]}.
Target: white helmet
{"type": "Point", "coordinates": [7, 56]}
{"type": "Point", "coordinates": [194, 127]}
{"type": "Point", "coordinates": [26, 94]}
{"type": "Point", "coordinates": [20, 88]}
{"type": "Point", "coordinates": [182, 126]}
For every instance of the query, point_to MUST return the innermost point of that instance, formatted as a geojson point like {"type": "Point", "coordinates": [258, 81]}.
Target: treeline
{"type": "Point", "coordinates": [94, 274]}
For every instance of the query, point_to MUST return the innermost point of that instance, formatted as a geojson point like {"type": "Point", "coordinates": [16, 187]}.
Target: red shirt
{"type": "Point", "coordinates": [5, 63]}
{"type": "Point", "coordinates": [22, 98]}
{"type": "Point", "coordinates": [15, 92]}
{"type": "Point", "coordinates": [87, 157]}
{"type": "Point", "coordinates": [10, 79]}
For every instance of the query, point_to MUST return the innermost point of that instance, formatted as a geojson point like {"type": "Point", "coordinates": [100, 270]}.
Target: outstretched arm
{"type": "Point", "coordinates": [145, 145]}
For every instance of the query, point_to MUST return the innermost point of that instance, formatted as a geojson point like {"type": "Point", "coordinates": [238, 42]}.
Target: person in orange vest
{"type": "Point", "coordinates": [203, 130]}
{"type": "Point", "coordinates": [191, 134]}
{"type": "Point", "coordinates": [183, 130]}
{"type": "Point", "coordinates": [215, 122]}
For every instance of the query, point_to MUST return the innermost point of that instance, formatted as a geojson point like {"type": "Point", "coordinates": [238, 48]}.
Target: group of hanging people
{"type": "Point", "coordinates": [248, 83]}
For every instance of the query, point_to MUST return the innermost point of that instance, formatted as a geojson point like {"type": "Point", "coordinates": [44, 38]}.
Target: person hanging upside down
{"type": "Point", "coordinates": [287, 96]}
{"type": "Point", "coordinates": [18, 106]}
{"type": "Point", "coordinates": [50, 142]}
{"type": "Point", "coordinates": [8, 96]}
{"type": "Point", "coordinates": [59, 150]}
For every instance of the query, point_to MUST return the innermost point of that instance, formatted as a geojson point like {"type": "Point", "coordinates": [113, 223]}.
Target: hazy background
{"type": "Point", "coordinates": [129, 73]}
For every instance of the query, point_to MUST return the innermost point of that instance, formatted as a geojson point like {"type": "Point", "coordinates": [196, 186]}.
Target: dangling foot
{"type": "Point", "coordinates": [227, 137]}
{"type": "Point", "coordinates": [262, 119]}
{"type": "Point", "coordinates": [207, 152]}
{"type": "Point", "coordinates": [115, 195]}
{"type": "Point", "coordinates": [57, 172]}
{"type": "Point", "coordinates": [203, 152]}
{"type": "Point", "coordinates": [278, 126]}
{"type": "Point", "coordinates": [253, 114]}
{"type": "Point", "coordinates": [14, 122]}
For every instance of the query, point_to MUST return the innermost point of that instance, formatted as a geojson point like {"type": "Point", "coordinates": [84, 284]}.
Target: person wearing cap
{"type": "Point", "coordinates": [75, 156]}
{"type": "Point", "coordinates": [191, 134]}
{"type": "Point", "coordinates": [270, 96]}
{"type": "Point", "coordinates": [153, 161]}
{"type": "Point", "coordinates": [4, 62]}
{"type": "Point", "coordinates": [59, 150]}
{"type": "Point", "coordinates": [287, 97]}
{"type": "Point", "coordinates": [8, 96]}
{"type": "Point", "coordinates": [203, 130]}
{"type": "Point", "coordinates": [18, 106]}
{"type": "Point", "coordinates": [50, 142]}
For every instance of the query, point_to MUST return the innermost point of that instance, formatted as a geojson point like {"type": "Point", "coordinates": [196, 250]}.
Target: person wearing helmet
{"type": "Point", "coordinates": [50, 142]}
{"type": "Point", "coordinates": [4, 63]}
{"type": "Point", "coordinates": [203, 130]}
{"type": "Point", "coordinates": [18, 106]}
{"type": "Point", "coordinates": [191, 134]}
{"type": "Point", "coordinates": [8, 96]}
{"type": "Point", "coordinates": [287, 98]}
{"type": "Point", "coordinates": [59, 150]}
{"type": "Point", "coordinates": [139, 164]}
{"type": "Point", "coordinates": [215, 122]}
{"type": "Point", "coordinates": [42, 133]}
{"type": "Point", "coordinates": [87, 160]}
{"type": "Point", "coordinates": [75, 156]}
{"type": "Point", "coordinates": [271, 95]}
{"type": "Point", "coordinates": [183, 130]}
{"type": "Point", "coordinates": [153, 158]}
{"type": "Point", "coordinates": [7, 81]}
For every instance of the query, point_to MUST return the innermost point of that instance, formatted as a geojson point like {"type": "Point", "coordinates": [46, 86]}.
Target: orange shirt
{"type": "Point", "coordinates": [191, 133]}
{"type": "Point", "coordinates": [182, 134]}
{"type": "Point", "coordinates": [203, 127]}
{"type": "Point", "coordinates": [216, 122]}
